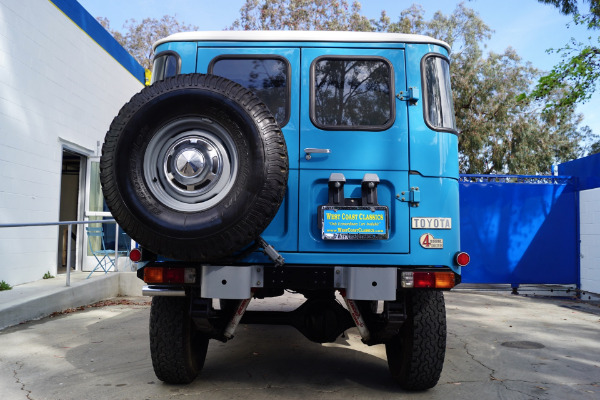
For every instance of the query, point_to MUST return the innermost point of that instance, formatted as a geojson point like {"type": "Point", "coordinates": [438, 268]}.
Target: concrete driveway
{"type": "Point", "coordinates": [500, 346]}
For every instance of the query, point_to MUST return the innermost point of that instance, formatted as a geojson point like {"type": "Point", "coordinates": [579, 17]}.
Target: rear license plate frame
{"type": "Point", "coordinates": [354, 222]}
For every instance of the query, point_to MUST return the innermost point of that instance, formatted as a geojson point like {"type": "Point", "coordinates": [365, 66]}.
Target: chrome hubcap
{"type": "Point", "coordinates": [191, 164]}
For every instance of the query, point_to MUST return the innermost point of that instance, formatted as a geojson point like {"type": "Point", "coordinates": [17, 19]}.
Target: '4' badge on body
{"type": "Point", "coordinates": [427, 241]}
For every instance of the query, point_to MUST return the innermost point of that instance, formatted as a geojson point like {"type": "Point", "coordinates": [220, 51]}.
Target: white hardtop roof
{"type": "Point", "coordinates": [299, 36]}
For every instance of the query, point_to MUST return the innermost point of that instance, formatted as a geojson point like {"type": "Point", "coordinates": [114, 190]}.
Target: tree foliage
{"type": "Point", "coordinates": [579, 69]}
{"type": "Point", "coordinates": [570, 7]}
{"type": "Point", "coordinates": [331, 15]}
{"type": "Point", "coordinates": [138, 37]}
{"type": "Point", "coordinates": [578, 72]}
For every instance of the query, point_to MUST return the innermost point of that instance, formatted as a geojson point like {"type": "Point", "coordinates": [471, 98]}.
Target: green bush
{"type": "Point", "coordinates": [4, 286]}
{"type": "Point", "coordinates": [48, 275]}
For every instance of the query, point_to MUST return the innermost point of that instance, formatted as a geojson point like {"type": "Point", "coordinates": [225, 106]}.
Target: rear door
{"type": "Point", "coordinates": [352, 123]}
{"type": "Point", "coordinates": [273, 73]}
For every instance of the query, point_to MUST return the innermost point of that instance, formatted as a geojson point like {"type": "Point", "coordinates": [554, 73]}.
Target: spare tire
{"type": "Point", "coordinates": [194, 167]}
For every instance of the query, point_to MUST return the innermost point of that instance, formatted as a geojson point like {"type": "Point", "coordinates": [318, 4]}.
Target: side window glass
{"type": "Point", "coordinates": [267, 77]}
{"type": "Point", "coordinates": [439, 108]}
{"type": "Point", "coordinates": [352, 93]}
{"type": "Point", "coordinates": [165, 65]}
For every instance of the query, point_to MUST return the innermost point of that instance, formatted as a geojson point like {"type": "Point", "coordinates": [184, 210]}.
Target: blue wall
{"type": "Point", "coordinates": [586, 171]}
{"type": "Point", "coordinates": [76, 13]}
{"type": "Point", "coordinates": [519, 233]}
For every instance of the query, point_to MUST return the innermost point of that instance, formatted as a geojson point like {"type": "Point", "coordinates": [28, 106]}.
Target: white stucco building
{"type": "Point", "coordinates": [62, 80]}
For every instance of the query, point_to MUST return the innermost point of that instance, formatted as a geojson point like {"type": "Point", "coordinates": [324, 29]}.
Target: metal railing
{"type": "Point", "coordinates": [69, 233]}
{"type": "Point", "coordinates": [533, 179]}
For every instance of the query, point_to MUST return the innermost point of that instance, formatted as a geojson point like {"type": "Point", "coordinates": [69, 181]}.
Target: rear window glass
{"type": "Point", "coordinates": [165, 66]}
{"type": "Point", "coordinates": [439, 108]}
{"type": "Point", "coordinates": [267, 77]}
{"type": "Point", "coordinates": [352, 93]}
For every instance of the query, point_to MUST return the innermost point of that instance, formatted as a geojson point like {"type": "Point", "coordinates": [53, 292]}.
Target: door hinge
{"type": "Point", "coordinates": [411, 96]}
{"type": "Point", "coordinates": [412, 197]}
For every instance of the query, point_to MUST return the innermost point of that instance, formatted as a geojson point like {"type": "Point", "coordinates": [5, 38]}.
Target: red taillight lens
{"type": "Point", "coordinates": [174, 275]}
{"type": "Point", "coordinates": [424, 279]}
{"type": "Point", "coordinates": [462, 259]}
{"type": "Point", "coordinates": [135, 255]}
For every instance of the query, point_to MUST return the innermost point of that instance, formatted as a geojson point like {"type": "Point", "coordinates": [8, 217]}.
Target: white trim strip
{"type": "Point", "coordinates": [299, 36]}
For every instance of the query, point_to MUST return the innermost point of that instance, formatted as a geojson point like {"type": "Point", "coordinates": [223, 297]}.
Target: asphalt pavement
{"type": "Point", "coordinates": [500, 346]}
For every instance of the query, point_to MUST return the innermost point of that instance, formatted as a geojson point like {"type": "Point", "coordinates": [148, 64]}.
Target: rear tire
{"type": "Point", "coordinates": [416, 355]}
{"type": "Point", "coordinates": [178, 351]}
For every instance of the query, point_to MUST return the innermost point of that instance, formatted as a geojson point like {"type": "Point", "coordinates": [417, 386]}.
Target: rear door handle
{"type": "Point", "coordinates": [310, 150]}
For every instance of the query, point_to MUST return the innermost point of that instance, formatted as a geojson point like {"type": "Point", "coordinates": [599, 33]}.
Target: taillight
{"type": "Point", "coordinates": [427, 280]}
{"type": "Point", "coordinates": [169, 275]}
{"type": "Point", "coordinates": [173, 275]}
{"type": "Point", "coordinates": [424, 279]}
{"type": "Point", "coordinates": [135, 255]}
{"type": "Point", "coordinates": [462, 258]}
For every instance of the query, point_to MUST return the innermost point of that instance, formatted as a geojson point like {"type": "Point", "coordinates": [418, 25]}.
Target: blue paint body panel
{"type": "Point", "coordinates": [406, 154]}
{"type": "Point", "coordinates": [314, 194]}
{"type": "Point", "coordinates": [431, 153]}
{"type": "Point", "coordinates": [355, 149]}
{"type": "Point", "coordinates": [282, 232]}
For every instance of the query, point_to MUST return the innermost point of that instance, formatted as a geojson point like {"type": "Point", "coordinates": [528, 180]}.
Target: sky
{"type": "Point", "coordinates": [526, 25]}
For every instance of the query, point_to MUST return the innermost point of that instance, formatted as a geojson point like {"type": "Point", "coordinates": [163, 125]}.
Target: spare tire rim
{"type": "Point", "coordinates": [191, 164]}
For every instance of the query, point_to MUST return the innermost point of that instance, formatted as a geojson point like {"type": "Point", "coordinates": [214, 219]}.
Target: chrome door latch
{"type": "Point", "coordinates": [310, 150]}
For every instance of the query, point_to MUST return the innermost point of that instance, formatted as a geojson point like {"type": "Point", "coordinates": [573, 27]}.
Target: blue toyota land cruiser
{"type": "Point", "coordinates": [316, 162]}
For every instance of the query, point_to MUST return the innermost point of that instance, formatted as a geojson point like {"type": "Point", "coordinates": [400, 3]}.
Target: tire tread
{"type": "Point", "coordinates": [265, 204]}
{"type": "Point", "coordinates": [416, 355]}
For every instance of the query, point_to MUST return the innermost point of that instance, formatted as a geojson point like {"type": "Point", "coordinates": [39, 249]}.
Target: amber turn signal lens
{"type": "Point", "coordinates": [444, 280]}
{"type": "Point", "coordinates": [153, 275]}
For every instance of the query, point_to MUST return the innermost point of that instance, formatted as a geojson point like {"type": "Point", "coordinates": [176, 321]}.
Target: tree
{"type": "Point", "coordinates": [139, 37]}
{"type": "Point", "coordinates": [578, 72]}
{"type": "Point", "coordinates": [580, 65]}
{"type": "Point", "coordinates": [333, 15]}
{"type": "Point", "coordinates": [569, 7]}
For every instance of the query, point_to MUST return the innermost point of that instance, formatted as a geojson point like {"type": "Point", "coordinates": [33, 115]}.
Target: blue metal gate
{"type": "Point", "coordinates": [520, 229]}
